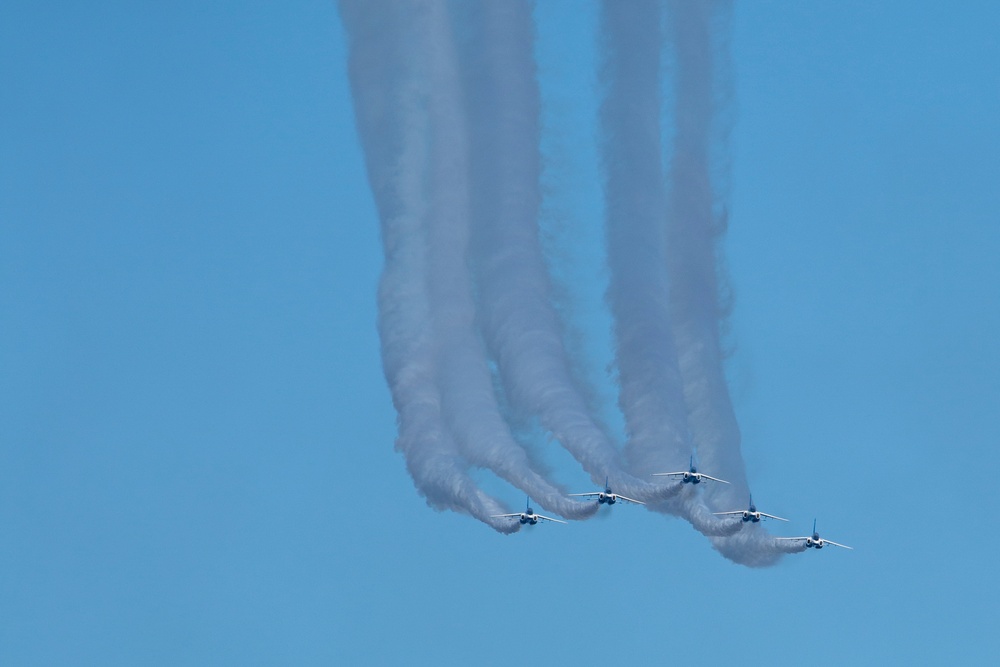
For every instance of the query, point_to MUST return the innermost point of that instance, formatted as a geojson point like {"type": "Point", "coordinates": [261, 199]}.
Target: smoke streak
{"type": "Point", "coordinates": [692, 230]}
{"type": "Point", "coordinates": [519, 322]}
{"type": "Point", "coordinates": [387, 95]}
{"type": "Point", "coordinates": [651, 396]}
{"type": "Point", "coordinates": [469, 401]}
{"type": "Point", "coordinates": [448, 108]}
{"type": "Point", "coordinates": [695, 219]}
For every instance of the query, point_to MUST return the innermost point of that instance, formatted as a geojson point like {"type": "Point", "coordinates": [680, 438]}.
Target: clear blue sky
{"type": "Point", "coordinates": [196, 462]}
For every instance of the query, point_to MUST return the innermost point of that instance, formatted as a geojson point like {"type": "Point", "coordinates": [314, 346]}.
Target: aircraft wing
{"type": "Point", "coordinates": [631, 500]}
{"type": "Point", "coordinates": [548, 518]}
{"type": "Point", "coordinates": [771, 516]}
{"type": "Point", "coordinates": [788, 539]}
{"type": "Point", "coordinates": [500, 516]}
{"type": "Point", "coordinates": [733, 512]}
{"type": "Point", "coordinates": [668, 474]}
{"type": "Point", "coordinates": [714, 479]}
{"type": "Point", "coordinates": [592, 493]}
{"type": "Point", "coordinates": [842, 546]}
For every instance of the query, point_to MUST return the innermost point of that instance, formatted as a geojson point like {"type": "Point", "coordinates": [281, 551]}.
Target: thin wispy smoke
{"type": "Point", "coordinates": [448, 108]}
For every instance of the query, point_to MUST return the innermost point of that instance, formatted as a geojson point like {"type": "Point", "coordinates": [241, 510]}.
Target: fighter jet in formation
{"type": "Point", "coordinates": [814, 540]}
{"type": "Point", "coordinates": [605, 497]}
{"type": "Point", "coordinates": [751, 514]}
{"type": "Point", "coordinates": [528, 516]}
{"type": "Point", "coordinates": [691, 475]}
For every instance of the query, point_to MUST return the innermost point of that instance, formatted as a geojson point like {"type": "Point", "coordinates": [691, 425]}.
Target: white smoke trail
{"type": "Point", "coordinates": [469, 401]}
{"type": "Point", "coordinates": [691, 245]}
{"type": "Point", "coordinates": [387, 91]}
{"type": "Point", "coordinates": [518, 318]}
{"type": "Point", "coordinates": [661, 249]}
{"type": "Point", "coordinates": [651, 394]}
{"type": "Point", "coordinates": [454, 163]}
{"type": "Point", "coordinates": [695, 219]}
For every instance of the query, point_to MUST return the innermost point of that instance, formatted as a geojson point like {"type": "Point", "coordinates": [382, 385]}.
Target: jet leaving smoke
{"type": "Point", "coordinates": [448, 109]}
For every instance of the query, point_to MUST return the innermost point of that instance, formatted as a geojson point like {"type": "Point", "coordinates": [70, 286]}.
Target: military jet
{"type": "Point", "coordinates": [605, 497]}
{"type": "Point", "coordinates": [814, 540]}
{"type": "Point", "coordinates": [691, 475]}
{"type": "Point", "coordinates": [750, 514]}
{"type": "Point", "coordinates": [528, 516]}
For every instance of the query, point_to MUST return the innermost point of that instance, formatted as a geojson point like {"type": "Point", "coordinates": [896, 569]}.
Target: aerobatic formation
{"type": "Point", "coordinates": [448, 108]}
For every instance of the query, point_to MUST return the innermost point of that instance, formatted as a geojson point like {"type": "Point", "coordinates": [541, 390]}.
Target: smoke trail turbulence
{"type": "Point", "coordinates": [448, 106]}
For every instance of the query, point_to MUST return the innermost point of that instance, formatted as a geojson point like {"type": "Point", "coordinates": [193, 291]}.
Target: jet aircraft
{"type": "Point", "coordinates": [691, 475]}
{"type": "Point", "coordinates": [814, 540]}
{"type": "Point", "coordinates": [606, 497]}
{"type": "Point", "coordinates": [528, 516]}
{"type": "Point", "coordinates": [750, 514]}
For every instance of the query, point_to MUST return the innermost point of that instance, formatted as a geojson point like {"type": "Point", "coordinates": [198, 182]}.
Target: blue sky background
{"type": "Point", "coordinates": [196, 462]}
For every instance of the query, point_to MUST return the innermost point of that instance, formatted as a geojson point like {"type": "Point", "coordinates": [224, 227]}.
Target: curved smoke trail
{"type": "Point", "coordinates": [519, 321]}
{"type": "Point", "coordinates": [651, 392]}
{"type": "Point", "coordinates": [386, 81]}
{"type": "Point", "coordinates": [448, 110]}
{"type": "Point", "coordinates": [469, 401]}
{"type": "Point", "coordinates": [695, 220]}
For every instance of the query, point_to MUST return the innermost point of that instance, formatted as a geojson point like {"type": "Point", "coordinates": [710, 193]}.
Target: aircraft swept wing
{"type": "Point", "coordinates": [763, 514]}
{"type": "Point", "coordinates": [607, 497]}
{"type": "Point", "coordinates": [523, 515]}
{"type": "Point", "coordinates": [528, 516]}
{"type": "Point", "coordinates": [837, 544]}
{"type": "Point", "coordinates": [600, 494]}
{"type": "Point", "coordinates": [751, 513]}
{"type": "Point", "coordinates": [814, 540]}
{"type": "Point", "coordinates": [689, 474]}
